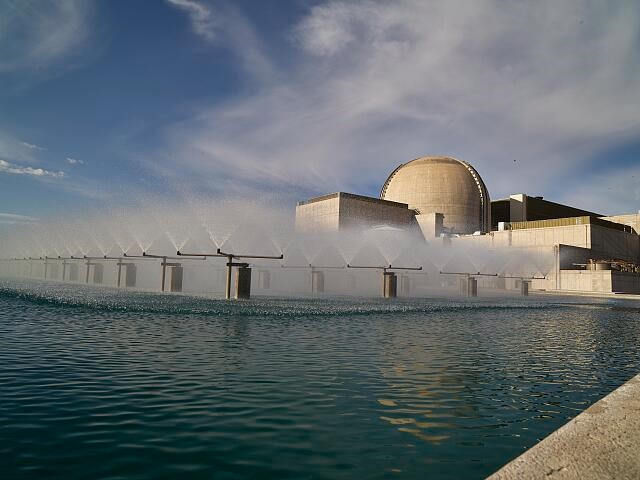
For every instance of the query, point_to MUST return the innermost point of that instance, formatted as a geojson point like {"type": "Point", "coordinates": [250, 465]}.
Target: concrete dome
{"type": "Point", "coordinates": [442, 185]}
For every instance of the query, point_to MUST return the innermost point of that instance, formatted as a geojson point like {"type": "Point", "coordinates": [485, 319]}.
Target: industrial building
{"type": "Point", "coordinates": [445, 199]}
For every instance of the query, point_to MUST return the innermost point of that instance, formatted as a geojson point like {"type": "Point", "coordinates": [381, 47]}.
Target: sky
{"type": "Point", "coordinates": [103, 103]}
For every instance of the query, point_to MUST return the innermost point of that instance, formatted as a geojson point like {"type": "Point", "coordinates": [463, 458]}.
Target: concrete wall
{"type": "Point", "coordinates": [605, 242]}
{"type": "Point", "coordinates": [359, 211]}
{"type": "Point", "coordinates": [575, 235]}
{"type": "Point", "coordinates": [345, 210]}
{"type": "Point", "coordinates": [318, 215]}
{"type": "Point", "coordinates": [631, 219]}
{"type": "Point", "coordinates": [431, 224]}
{"type": "Point", "coordinates": [614, 244]}
{"type": "Point", "coordinates": [624, 282]}
{"type": "Point", "coordinates": [593, 281]}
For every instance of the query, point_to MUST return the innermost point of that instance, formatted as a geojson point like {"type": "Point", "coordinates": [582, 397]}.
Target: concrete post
{"type": "Point", "coordinates": [405, 284]}
{"type": "Point", "coordinates": [264, 279]}
{"type": "Point", "coordinates": [473, 287]}
{"type": "Point", "coordinates": [164, 273]}
{"type": "Point", "coordinates": [119, 272]}
{"type": "Point", "coordinates": [131, 272]}
{"type": "Point", "coordinates": [389, 285]}
{"type": "Point", "coordinates": [464, 286]}
{"type": "Point", "coordinates": [175, 280]}
{"type": "Point", "coordinates": [243, 282]}
{"type": "Point", "coordinates": [468, 287]}
{"type": "Point", "coordinates": [317, 281]}
{"type": "Point", "coordinates": [229, 271]}
{"type": "Point", "coordinates": [98, 272]}
{"type": "Point", "coordinates": [73, 272]}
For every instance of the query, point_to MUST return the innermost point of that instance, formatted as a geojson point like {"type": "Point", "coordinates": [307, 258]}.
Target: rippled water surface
{"type": "Point", "coordinates": [106, 384]}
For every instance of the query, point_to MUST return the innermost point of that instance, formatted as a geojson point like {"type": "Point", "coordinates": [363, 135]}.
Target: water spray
{"type": "Point", "coordinates": [243, 275]}
{"type": "Point", "coordinates": [469, 282]}
{"type": "Point", "coordinates": [389, 279]}
{"type": "Point", "coordinates": [177, 271]}
{"type": "Point", "coordinates": [317, 275]}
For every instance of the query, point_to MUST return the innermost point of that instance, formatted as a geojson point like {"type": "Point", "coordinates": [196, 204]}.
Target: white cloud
{"type": "Point", "coordinates": [226, 26]}
{"type": "Point", "coordinates": [12, 168]}
{"type": "Point", "coordinates": [12, 219]}
{"type": "Point", "coordinates": [36, 34]}
{"type": "Point", "coordinates": [74, 161]}
{"type": "Point", "coordinates": [31, 146]}
{"type": "Point", "coordinates": [17, 150]}
{"type": "Point", "coordinates": [550, 84]}
{"type": "Point", "coordinates": [201, 16]}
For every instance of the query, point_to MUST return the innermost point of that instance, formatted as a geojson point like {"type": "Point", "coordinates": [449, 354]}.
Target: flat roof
{"type": "Point", "coordinates": [353, 196]}
{"type": "Point", "coordinates": [568, 221]}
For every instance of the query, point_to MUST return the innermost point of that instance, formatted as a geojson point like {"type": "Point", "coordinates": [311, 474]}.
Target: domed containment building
{"type": "Point", "coordinates": [442, 185]}
{"type": "Point", "coordinates": [434, 195]}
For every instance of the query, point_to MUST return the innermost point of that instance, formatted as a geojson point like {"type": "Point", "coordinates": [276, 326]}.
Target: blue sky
{"type": "Point", "coordinates": [105, 102]}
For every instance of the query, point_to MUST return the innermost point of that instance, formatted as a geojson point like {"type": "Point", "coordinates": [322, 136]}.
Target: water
{"type": "Point", "coordinates": [97, 383]}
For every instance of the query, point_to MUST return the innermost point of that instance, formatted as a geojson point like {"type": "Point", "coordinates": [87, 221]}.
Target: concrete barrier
{"type": "Point", "coordinates": [603, 442]}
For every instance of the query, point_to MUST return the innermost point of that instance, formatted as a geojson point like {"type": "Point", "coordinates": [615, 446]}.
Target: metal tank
{"type": "Point", "coordinates": [442, 185]}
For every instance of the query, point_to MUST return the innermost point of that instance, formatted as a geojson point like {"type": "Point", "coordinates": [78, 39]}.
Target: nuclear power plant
{"type": "Point", "coordinates": [445, 200]}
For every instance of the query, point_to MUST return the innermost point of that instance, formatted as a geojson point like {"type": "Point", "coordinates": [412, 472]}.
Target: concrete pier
{"type": "Point", "coordinates": [264, 279]}
{"type": "Point", "coordinates": [131, 273]}
{"type": "Point", "coordinates": [405, 285]}
{"type": "Point", "coordinates": [468, 287]}
{"type": "Point", "coordinates": [603, 442]}
{"type": "Point", "coordinates": [243, 282]}
{"type": "Point", "coordinates": [73, 272]}
{"type": "Point", "coordinates": [389, 285]}
{"type": "Point", "coordinates": [317, 281]}
{"type": "Point", "coordinates": [98, 272]}
{"type": "Point", "coordinates": [176, 273]}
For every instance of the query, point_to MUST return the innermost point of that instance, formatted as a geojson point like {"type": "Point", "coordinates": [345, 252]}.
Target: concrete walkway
{"type": "Point", "coordinates": [603, 442]}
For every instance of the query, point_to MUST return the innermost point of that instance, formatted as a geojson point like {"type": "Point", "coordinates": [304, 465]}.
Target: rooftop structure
{"type": "Point", "coordinates": [523, 208]}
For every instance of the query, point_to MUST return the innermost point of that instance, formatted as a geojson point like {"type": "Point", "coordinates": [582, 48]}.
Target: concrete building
{"type": "Point", "coordinates": [590, 254]}
{"type": "Point", "coordinates": [442, 185]}
{"type": "Point", "coordinates": [447, 199]}
{"type": "Point", "coordinates": [339, 211]}
{"type": "Point", "coordinates": [523, 208]}
{"type": "Point", "coordinates": [631, 220]}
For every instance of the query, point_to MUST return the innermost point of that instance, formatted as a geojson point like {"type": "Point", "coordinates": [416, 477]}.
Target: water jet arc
{"type": "Point", "coordinates": [243, 287]}
{"type": "Point", "coordinates": [317, 275]}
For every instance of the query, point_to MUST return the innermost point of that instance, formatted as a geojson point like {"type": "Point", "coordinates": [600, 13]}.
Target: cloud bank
{"type": "Point", "coordinates": [12, 168]}
{"type": "Point", "coordinates": [14, 219]}
{"type": "Point", "coordinates": [374, 84]}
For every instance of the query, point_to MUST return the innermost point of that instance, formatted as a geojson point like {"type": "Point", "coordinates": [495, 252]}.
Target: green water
{"type": "Point", "coordinates": [105, 384]}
